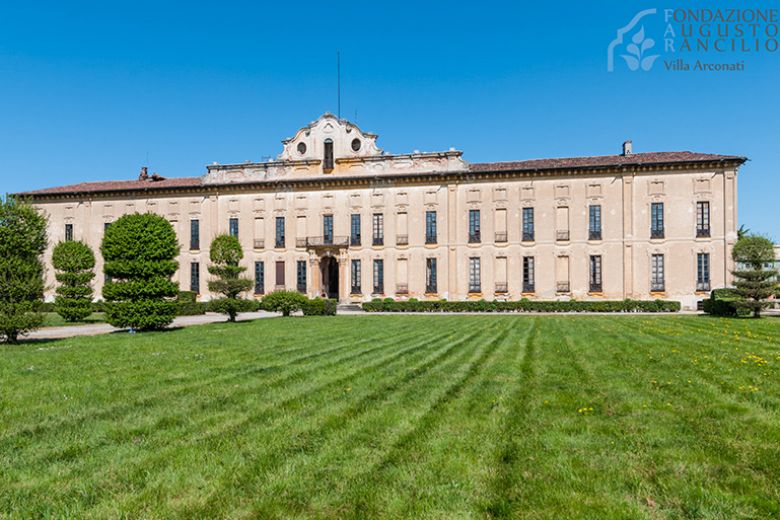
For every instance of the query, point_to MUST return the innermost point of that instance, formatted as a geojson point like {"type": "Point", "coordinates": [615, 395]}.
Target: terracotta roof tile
{"type": "Point", "coordinates": [104, 186]}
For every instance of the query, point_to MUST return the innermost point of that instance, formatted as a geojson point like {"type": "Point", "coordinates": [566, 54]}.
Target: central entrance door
{"type": "Point", "coordinates": [329, 267]}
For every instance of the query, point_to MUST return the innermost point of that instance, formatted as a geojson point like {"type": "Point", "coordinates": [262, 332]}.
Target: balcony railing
{"type": "Point", "coordinates": [528, 287]}
{"type": "Point", "coordinates": [402, 240]}
{"type": "Point", "coordinates": [301, 287]}
{"type": "Point", "coordinates": [702, 286]}
{"type": "Point", "coordinates": [702, 232]}
{"type": "Point", "coordinates": [475, 289]}
{"type": "Point", "coordinates": [500, 237]}
{"type": "Point", "coordinates": [430, 239]}
{"type": "Point", "coordinates": [562, 236]}
{"type": "Point", "coordinates": [355, 289]}
{"type": "Point", "coordinates": [501, 287]}
{"type": "Point", "coordinates": [594, 234]}
{"type": "Point", "coordinates": [378, 241]}
{"type": "Point", "coordinates": [656, 233]}
{"type": "Point", "coordinates": [259, 243]}
{"type": "Point", "coordinates": [354, 240]}
{"type": "Point", "coordinates": [475, 237]}
{"type": "Point", "coordinates": [657, 287]}
{"type": "Point", "coordinates": [379, 289]}
{"type": "Point", "coordinates": [402, 288]}
{"type": "Point", "coordinates": [279, 243]}
{"type": "Point", "coordinates": [595, 287]}
{"type": "Point", "coordinates": [327, 241]}
{"type": "Point", "coordinates": [528, 236]}
{"type": "Point", "coordinates": [562, 287]}
{"type": "Point", "coordinates": [431, 289]}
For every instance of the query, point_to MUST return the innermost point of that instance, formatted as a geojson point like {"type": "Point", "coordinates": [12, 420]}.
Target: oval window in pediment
{"type": "Point", "coordinates": [301, 148]}
{"type": "Point", "coordinates": [355, 145]}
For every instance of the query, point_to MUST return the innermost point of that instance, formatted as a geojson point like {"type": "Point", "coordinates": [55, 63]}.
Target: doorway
{"type": "Point", "coordinates": [329, 268]}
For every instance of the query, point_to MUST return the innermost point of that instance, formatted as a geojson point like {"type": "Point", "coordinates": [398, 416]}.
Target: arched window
{"type": "Point", "coordinates": [327, 161]}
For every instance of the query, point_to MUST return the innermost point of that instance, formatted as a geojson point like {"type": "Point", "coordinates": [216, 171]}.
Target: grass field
{"type": "Point", "coordinates": [398, 417]}
{"type": "Point", "coordinates": [52, 319]}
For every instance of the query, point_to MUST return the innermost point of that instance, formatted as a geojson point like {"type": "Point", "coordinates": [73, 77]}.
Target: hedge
{"type": "Point", "coordinates": [724, 302]}
{"type": "Point", "coordinates": [320, 307]}
{"type": "Point", "coordinates": [522, 306]}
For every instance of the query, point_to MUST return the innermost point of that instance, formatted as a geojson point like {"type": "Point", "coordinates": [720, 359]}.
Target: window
{"type": "Point", "coordinates": [355, 285]}
{"type": "Point", "coordinates": [327, 161]}
{"type": "Point", "coordinates": [562, 223]}
{"type": "Point", "coordinates": [194, 234]}
{"type": "Point", "coordinates": [475, 275]}
{"type": "Point", "coordinates": [657, 273]}
{"type": "Point", "coordinates": [279, 242]}
{"type": "Point", "coordinates": [301, 148]}
{"type": "Point", "coordinates": [528, 224]}
{"type": "Point", "coordinates": [657, 220]}
{"type": "Point", "coordinates": [233, 227]}
{"type": "Point", "coordinates": [702, 219]}
{"type": "Point", "coordinates": [259, 277]}
{"type": "Point", "coordinates": [327, 229]}
{"type": "Point", "coordinates": [355, 145]}
{"type": "Point", "coordinates": [474, 231]}
{"type": "Point", "coordinates": [430, 227]}
{"type": "Point", "coordinates": [595, 273]}
{"type": "Point", "coordinates": [195, 277]}
{"type": "Point", "coordinates": [106, 225]}
{"type": "Point", "coordinates": [379, 276]}
{"type": "Point", "coordinates": [280, 274]}
{"type": "Point", "coordinates": [379, 229]}
{"type": "Point", "coordinates": [529, 276]}
{"type": "Point", "coordinates": [354, 232]}
{"type": "Point", "coordinates": [703, 272]}
{"type": "Point", "coordinates": [430, 275]}
{"type": "Point", "coordinates": [594, 222]}
{"type": "Point", "coordinates": [68, 232]}
{"type": "Point", "coordinates": [301, 275]}
{"type": "Point", "coordinates": [259, 243]}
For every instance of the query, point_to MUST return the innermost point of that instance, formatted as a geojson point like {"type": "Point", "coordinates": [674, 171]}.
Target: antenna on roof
{"type": "Point", "coordinates": [338, 83]}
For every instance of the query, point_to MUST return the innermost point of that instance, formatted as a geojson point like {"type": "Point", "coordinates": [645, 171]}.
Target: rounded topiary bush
{"type": "Point", "coordinates": [285, 302]}
{"type": "Point", "coordinates": [74, 263]}
{"type": "Point", "coordinates": [140, 257]}
{"type": "Point", "coordinates": [225, 254]}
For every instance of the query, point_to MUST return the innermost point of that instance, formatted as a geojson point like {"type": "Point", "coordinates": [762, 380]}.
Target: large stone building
{"type": "Point", "coordinates": [335, 215]}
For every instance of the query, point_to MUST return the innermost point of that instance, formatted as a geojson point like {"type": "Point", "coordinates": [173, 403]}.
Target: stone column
{"type": "Point", "coordinates": [343, 276]}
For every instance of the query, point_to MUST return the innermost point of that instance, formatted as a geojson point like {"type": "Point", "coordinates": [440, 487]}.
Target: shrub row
{"type": "Point", "coordinates": [320, 307]}
{"type": "Point", "coordinates": [724, 302]}
{"type": "Point", "coordinates": [522, 306]}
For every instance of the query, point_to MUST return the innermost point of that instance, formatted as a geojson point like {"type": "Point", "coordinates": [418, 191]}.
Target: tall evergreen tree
{"type": "Point", "coordinates": [225, 254]}
{"type": "Point", "coordinates": [140, 253]}
{"type": "Point", "coordinates": [74, 262]}
{"type": "Point", "coordinates": [754, 277]}
{"type": "Point", "coordinates": [22, 242]}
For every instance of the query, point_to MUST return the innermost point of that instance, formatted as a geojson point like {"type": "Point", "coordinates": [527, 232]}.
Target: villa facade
{"type": "Point", "coordinates": [335, 215]}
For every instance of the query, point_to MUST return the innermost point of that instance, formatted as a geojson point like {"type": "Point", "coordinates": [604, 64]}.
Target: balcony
{"type": "Point", "coordinates": [378, 241]}
{"type": "Point", "coordinates": [501, 237]}
{"type": "Point", "coordinates": [529, 287]}
{"type": "Point", "coordinates": [562, 287]}
{"type": "Point", "coordinates": [562, 236]}
{"type": "Point", "coordinates": [702, 286]}
{"type": "Point", "coordinates": [703, 232]}
{"type": "Point", "coordinates": [657, 287]}
{"type": "Point", "coordinates": [657, 233]}
{"type": "Point", "coordinates": [279, 243]}
{"type": "Point", "coordinates": [259, 243]}
{"type": "Point", "coordinates": [501, 288]}
{"type": "Point", "coordinates": [402, 288]}
{"type": "Point", "coordinates": [595, 287]}
{"type": "Point", "coordinates": [402, 240]}
{"type": "Point", "coordinates": [528, 236]}
{"type": "Point", "coordinates": [594, 234]}
{"type": "Point", "coordinates": [475, 237]}
{"type": "Point", "coordinates": [354, 240]}
{"type": "Point", "coordinates": [430, 239]}
{"type": "Point", "coordinates": [327, 241]}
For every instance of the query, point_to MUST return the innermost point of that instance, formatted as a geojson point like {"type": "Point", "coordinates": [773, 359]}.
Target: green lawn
{"type": "Point", "coordinates": [52, 319]}
{"type": "Point", "coordinates": [398, 417]}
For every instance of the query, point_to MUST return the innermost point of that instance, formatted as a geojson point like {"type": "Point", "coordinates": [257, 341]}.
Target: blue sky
{"type": "Point", "coordinates": [88, 91]}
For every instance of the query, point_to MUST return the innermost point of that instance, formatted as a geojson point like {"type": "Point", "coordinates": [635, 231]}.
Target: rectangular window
{"type": "Point", "coordinates": [327, 162]}
{"type": "Point", "coordinates": [301, 275]}
{"type": "Point", "coordinates": [657, 273]}
{"type": "Point", "coordinates": [68, 232]}
{"type": "Point", "coordinates": [354, 231]}
{"type": "Point", "coordinates": [280, 274]}
{"type": "Point", "coordinates": [430, 227]}
{"type": "Point", "coordinates": [657, 220]}
{"type": "Point", "coordinates": [500, 226]}
{"type": "Point", "coordinates": [475, 275]}
{"type": "Point", "coordinates": [379, 229]}
{"type": "Point", "coordinates": [259, 233]}
{"type": "Point", "coordinates": [430, 276]}
{"type": "Point", "coordinates": [562, 283]}
{"type": "Point", "coordinates": [233, 227]}
{"type": "Point", "coordinates": [594, 222]}
{"type": "Point", "coordinates": [474, 227]}
{"type": "Point", "coordinates": [529, 276]}
{"type": "Point", "coordinates": [528, 224]}
{"type": "Point", "coordinates": [595, 273]}
{"type": "Point", "coordinates": [355, 285]}
{"type": "Point", "coordinates": [379, 276]}
{"type": "Point", "coordinates": [259, 277]}
{"type": "Point", "coordinates": [703, 272]}
{"type": "Point", "coordinates": [279, 240]}
{"type": "Point", "coordinates": [702, 219]}
{"type": "Point", "coordinates": [194, 234]}
{"type": "Point", "coordinates": [195, 277]}
{"type": "Point", "coordinates": [562, 223]}
{"type": "Point", "coordinates": [402, 229]}
{"type": "Point", "coordinates": [327, 229]}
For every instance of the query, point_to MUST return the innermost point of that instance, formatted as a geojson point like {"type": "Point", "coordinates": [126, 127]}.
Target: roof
{"type": "Point", "coordinates": [565, 163]}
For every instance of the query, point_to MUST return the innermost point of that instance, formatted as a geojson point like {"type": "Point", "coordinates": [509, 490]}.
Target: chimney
{"type": "Point", "coordinates": [144, 174]}
{"type": "Point", "coordinates": [627, 147]}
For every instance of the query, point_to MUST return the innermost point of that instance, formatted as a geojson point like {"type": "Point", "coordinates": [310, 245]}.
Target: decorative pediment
{"type": "Point", "coordinates": [346, 138]}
